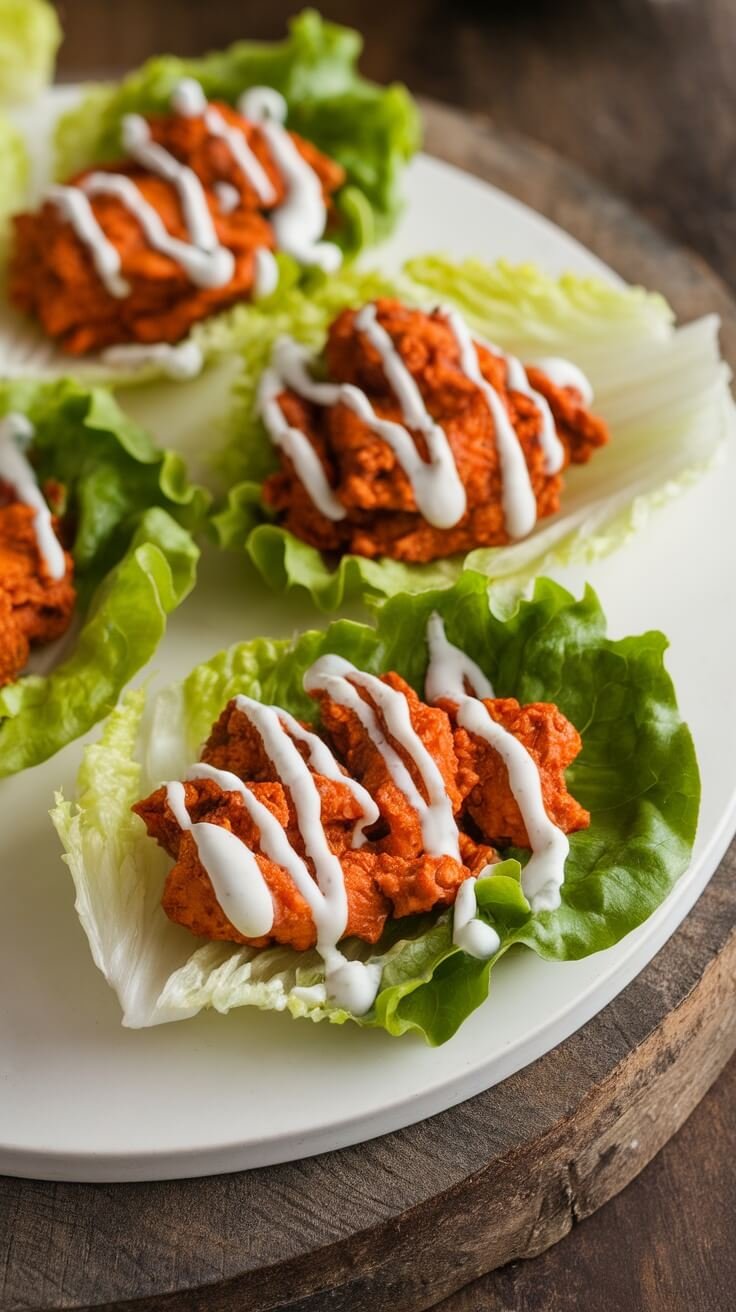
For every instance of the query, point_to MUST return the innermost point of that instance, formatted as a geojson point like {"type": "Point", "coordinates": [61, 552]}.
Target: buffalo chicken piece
{"type": "Point", "coordinates": [382, 517]}
{"type": "Point", "coordinates": [34, 609]}
{"type": "Point", "coordinates": [390, 875]}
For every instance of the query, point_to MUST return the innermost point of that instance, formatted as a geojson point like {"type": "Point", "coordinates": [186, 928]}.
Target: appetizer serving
{"type": "Point", "coordinates": [378, 814]}
{"type": "Point", "coordinates": [416, 441]}
{"type": "Point", "coordinates": [95, 549]}
{"type": "Point", "coordinates": [382, 437]}
{"type": "Point", "coordinates": [178, 187]}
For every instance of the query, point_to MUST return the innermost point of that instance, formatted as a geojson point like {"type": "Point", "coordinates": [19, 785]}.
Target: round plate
{"type": "Point", "coordinates": [83, 1099]}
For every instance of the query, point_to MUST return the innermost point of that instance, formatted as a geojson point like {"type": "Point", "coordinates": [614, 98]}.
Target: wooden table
{"type": "Point", "coordinates": [642, 95]}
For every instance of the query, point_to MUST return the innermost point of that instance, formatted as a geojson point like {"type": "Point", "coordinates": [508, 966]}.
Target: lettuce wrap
{"type": "Point", "coordinates": [371, 131]}
{"type": "Point", "coordinates": [637, 774]}
{"type": "Point", "coordinates": [664, 392]}
{"type": "Point", "coordinates": [133, 510]}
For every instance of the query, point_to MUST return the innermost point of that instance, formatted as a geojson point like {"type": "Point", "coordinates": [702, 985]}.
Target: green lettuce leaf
{"type": "Point", "coordinates": [133, 510]}
{"type": "Point", "coordinates": [372, 131]}
{"type": "Point", "coordinates": [637, 774]}
{"type": "Point", "coordinates": [30, 34]}
{"type": "Point", "coordinates": [664, 393]}
{"type": "Point", "coordinates": [14, 170]}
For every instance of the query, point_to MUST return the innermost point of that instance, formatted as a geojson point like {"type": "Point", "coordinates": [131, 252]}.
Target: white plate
{"type": "Point", "coordinates": [83, 1099]}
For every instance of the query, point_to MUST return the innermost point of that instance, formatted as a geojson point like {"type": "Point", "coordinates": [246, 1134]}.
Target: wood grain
{"type": "Point", "coordinates": [406, 1220]}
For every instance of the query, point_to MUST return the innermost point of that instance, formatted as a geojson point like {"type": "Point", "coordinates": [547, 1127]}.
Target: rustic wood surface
{"type": "Point", "coordinates": [642, 94]}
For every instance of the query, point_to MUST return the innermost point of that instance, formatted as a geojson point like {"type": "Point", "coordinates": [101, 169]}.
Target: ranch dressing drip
{"type": "Point", "coordinates": [299, 221]}
{"type": "Point", "coordinates": [16, 469]}
{"type": "Point", "coordinates": [190, 101]}
{"type": "Point", "coordinates": [563, 373]}
{"type": "Point", "coordinates": [234, 873]}
{"type": "Point", "coordinates": [184, 360]}
{"type": "Point", "coordinates": [448, 677]}
{"type": "Point", "coordinates": [341, 681]}
{"type": "Point", "coordinates": [230, 865]}
{"type": "Point", "coordinates": [517, 495]}
{"type": "Point", "coordinates": [517, 381]}
{"type": "Point", "coordinates": [323, 762]}
{"type": "Point", "coordinates": [469, 932]}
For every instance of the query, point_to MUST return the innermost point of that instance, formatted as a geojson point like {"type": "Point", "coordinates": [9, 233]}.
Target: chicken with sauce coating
{"type": "Point", "coordinates": [390, 874]}
{"type": "Point", "coordinates": [507, 480]}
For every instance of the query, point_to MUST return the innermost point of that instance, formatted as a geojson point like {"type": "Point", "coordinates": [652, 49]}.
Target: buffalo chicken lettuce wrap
{"type": "Point", "coordinates": [387, 432]}
{"type": "Point", "coordinates": [358, 824]}
{"type": "Point", "coordinates": [178, 189]}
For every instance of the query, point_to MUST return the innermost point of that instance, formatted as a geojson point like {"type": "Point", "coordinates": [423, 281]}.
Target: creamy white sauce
{"type": "Point", "coordinates": [544, 873]}
{"type": "Point", "coordinates": [234, 873]}
{"type": "Point", "coordinates": [266, 278]}
{"type": "Point", "coordinates": [188, 98]}
{"type": "Point", "coordinates": [299, 221]}
{"type": "Point", "coordinates": [438, 488]}
{"type": "Point", "coordinates": [181, 361]}
{"type": "Point", "coordinates": [75, 209]}
{"type": "Point", "coordinates": [294, 443]}
{"type": "Point", "coordinates": [469, 932]}
{"type": "Point", "coordinates": [517, 494]}
{"type": "Point", "coordinates": [563, 373]}
{"type": "Point", "coordinates": [341, 680]}
{"type": "Point", "coordinates": [211, 267]}
{"type": "Point", "coordinates": [16, 469]}
{"type": "Point", "coordinates": [349, 984]}
{"type": "Point", "coordinates": [228, 197]}
{"type": "Point", "coordinates": [517, 381]}
{"type": "Point", "coordinates": [248, 163]}
{"type": "Point", "coordinates": [323, 762]}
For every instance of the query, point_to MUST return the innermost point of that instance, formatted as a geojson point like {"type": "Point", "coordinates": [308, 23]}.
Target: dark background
{"type": "Point", "coordinates": [642, 94]}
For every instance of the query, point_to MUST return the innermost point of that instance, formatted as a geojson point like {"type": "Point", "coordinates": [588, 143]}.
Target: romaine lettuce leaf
{"type": "Point", "coordinates": [637, 774]}
{"type": "Point", "coordinates": [133, 510]}
{"type": "Point", "coordinates": [30, 34]}
{"type": "Point", "coordinates": [14, 171]}
{"type": "Point", "coordinates": [372, 131]}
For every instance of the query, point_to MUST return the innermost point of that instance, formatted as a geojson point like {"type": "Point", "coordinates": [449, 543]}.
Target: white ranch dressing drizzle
{"type": "Point", "coordinates": [190, 101]}
{"type": "Point", "coordinates": [340, 680]}
{"type": "Point", "coordinates": [232, 867]}
{"type": "Point", "coordinates": [16, 469]}
{"type": "Point", "coordinates": [437, 486]}
{"type": "Point", "coordinates": [563, 373]}
{"type": "Point", "coordinates": [517, 381]}
{"type": "Point", "coordinates": [75, 209]}
{"type": "Point", "coordinates": [544, 873]}
{"type": "Point", "coordinates": [469, 932]}
{"type": "Point", "coordinates": [180, 361]}
{"type": "Point", "coordinates": [205, 267]}
{"type": "Point", "coordinates": [324, 763]}
{"type": "Point", "coordinates": [292, 441]}
{"type": "Point", "coordinates": [517, 495]}
{"type": "Point", "coordinates": [266, 278]}
{"type": "Point", "coordinates": [228, 196]}
{"type": "Point", "coordinates": [234, 873]}
{"type": "Point", "coordinates": [299, 221]}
